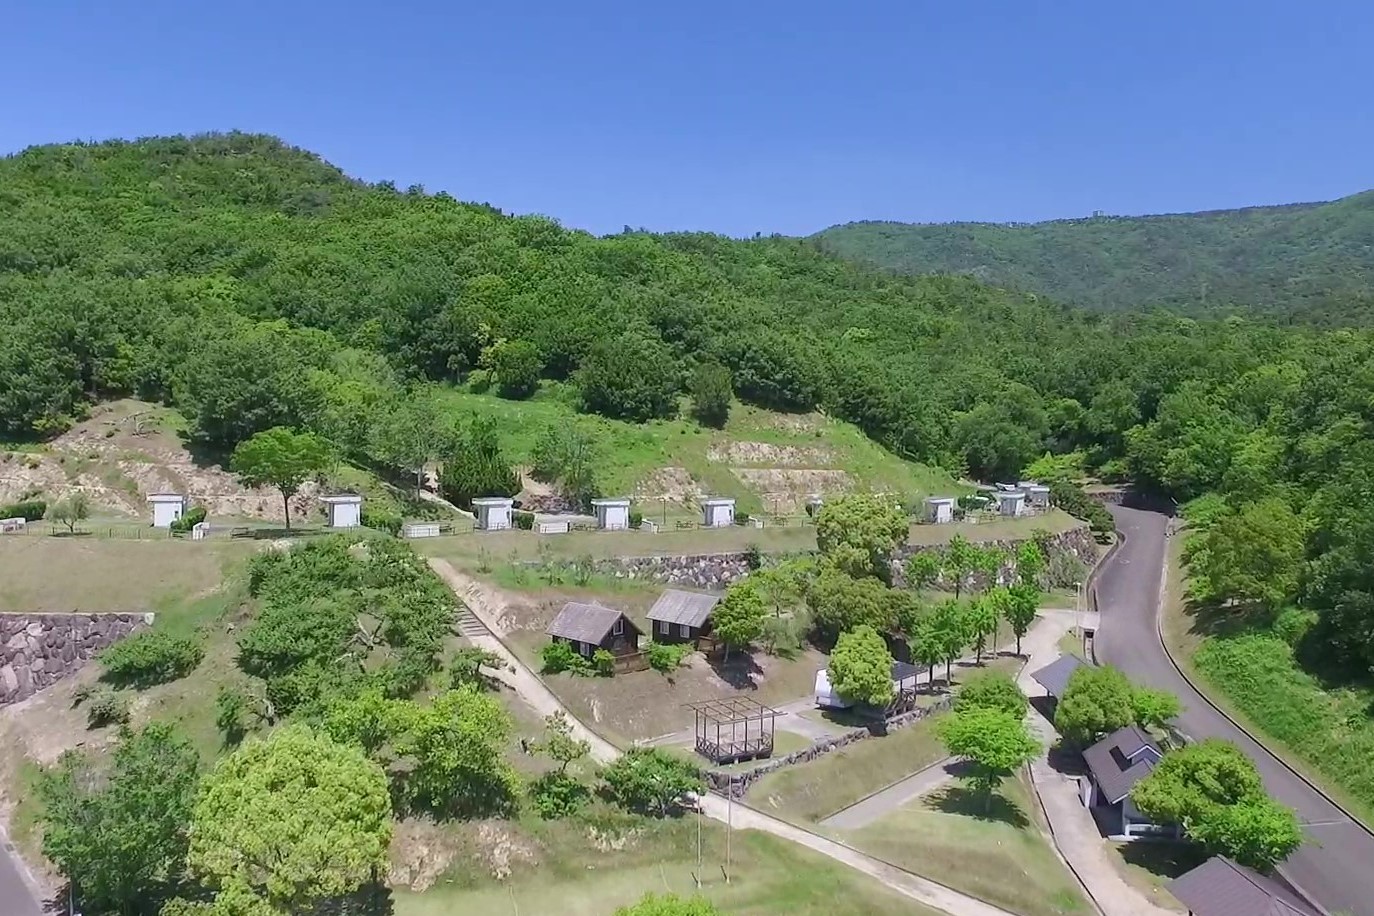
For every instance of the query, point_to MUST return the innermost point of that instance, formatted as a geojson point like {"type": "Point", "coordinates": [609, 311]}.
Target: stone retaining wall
{"type": "Point", "coordinates": [716, 571]}
{"type": "Point", "coordinates": [737, 784]}
{"type": "Point", "coordinates": [38, 650]}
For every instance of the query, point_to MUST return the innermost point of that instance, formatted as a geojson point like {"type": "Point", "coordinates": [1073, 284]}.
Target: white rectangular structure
{"type": "Point", "coordinates": [167, 508]}
{"type": "Point", "coordinates": [15, 525]}
{"type": "Point", "coordinates": [1038, 495]}
{"type": "Point", "coordinates": [1011, 502]}
{"type": "Point", "coordinates": [612, 514]}
{"type": "Point", "coordinates": [420, 530]}
{"type": "Point", "coordinates": [200, 531]}
{"type": "Point", "coordinates": [718, 512]}
{"type": "Point", "coordinates": [562, 526]}
{"type": "Point", "coordinates": [940, 509]}
{"type": "Point", "coordinates": [345, 510]}
{"type": "Point", "coordinates": [493, 512]}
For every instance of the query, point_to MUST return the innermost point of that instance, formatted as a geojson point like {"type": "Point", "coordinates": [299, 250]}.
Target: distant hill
{"type": "Point", "coordinates": [1316, 259]}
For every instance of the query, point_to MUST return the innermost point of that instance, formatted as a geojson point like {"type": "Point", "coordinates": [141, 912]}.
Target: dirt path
{"type": "Point", "coordinates": [1072, 826]}
{"type": "Point", "coordinates": [485, 605]}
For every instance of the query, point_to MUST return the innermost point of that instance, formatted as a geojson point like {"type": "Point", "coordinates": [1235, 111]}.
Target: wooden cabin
{"type": "Point", "coordinates": [682, 616]}
{"type": "Point", "coordinates": [588, 627]}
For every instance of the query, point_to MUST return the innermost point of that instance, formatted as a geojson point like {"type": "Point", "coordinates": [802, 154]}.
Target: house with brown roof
{"type": "Point", "coordinates": [1220, 887]}
{"type": "Point", "coordinates": [588, 627]}
{"type": "Point", "coordinates": [681, 616]}
{"type": "Point", "coordinates": [1115, 765]}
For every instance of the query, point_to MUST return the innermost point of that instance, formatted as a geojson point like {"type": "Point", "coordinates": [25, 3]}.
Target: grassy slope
{"type": "Point", "coordinates": [1327, 734]}
{"type": "Point", "coordinates": [629, 453]}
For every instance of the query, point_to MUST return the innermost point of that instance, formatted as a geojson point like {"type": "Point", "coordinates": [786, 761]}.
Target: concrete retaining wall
{"type": "Point", "coordinates": [38, 650]}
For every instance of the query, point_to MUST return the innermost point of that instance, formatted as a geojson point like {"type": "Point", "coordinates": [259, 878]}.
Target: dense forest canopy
{"type": "Point", "coordinates": [1303, 262]}
{"type": "Point", "coordinates": [254, 286]}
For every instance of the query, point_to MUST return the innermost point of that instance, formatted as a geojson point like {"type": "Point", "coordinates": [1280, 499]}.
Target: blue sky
{"type": "Point", "coordinates": [737, 117]}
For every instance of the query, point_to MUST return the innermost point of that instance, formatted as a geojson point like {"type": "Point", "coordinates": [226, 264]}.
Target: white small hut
{"type": "Point", "coordinates": [1037, 495]}
{"type": "Point", "coordinates": [167, 508]}
{"type": "Point", "coordinates": [718, 512]}
{"type": "Point", "coordinates": [940, 509]}
{"type": "Point", "coordinates": [612, 514]}
{"type": "Point", "coordinates": [493, 512]}
{"type": "Point", "coordinates": [1011, 502]}
{"type": "Point", "coordinates": [345, 510]}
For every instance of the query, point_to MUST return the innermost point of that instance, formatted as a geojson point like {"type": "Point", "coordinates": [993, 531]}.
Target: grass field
{"type": "Point", "coordinates": [768, 877]}
{"type": "Point", "coordinates": [998, 854]}
{"type": "Point", "coordinates": [1149, 867]}
{"type": "Point", "coordinates": [766, 460]}
{"type": "Point", "coordinates": [1327, 733]}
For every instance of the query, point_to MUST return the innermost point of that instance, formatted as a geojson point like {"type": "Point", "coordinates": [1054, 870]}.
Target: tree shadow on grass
{"type": "Point", "coordinates": [740, 671]}
{"type": "Point", "coordinates": [969, 803]}
{"type": "Point", "coordinates": [1162, 858]}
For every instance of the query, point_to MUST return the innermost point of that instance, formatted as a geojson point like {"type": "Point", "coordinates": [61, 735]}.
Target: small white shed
{"type": "Point", "coordinates": [167, 508]}
{"type": "Point", "coordinates": [1037, 495]}
{"type": "Point", "coordinates": [718, 512]}
{"type": "Point", "coordinates": [612, 514]}
{"type": "Point", "coordinates": [345, 510]}
{"type": "Point", "coordinates": [493, 512]}
{"type": "Point", "coordinates": [940, 509]}
{"type": "Point", "coordinates": [1011, 502]}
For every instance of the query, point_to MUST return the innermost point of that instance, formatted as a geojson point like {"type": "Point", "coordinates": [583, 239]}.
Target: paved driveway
{"type": "Point", "coordinates": [1336, 865]}
{"type": "Point", "coordinates": [15, 896]}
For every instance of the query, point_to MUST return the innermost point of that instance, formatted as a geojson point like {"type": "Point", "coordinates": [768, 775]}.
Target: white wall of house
{"type": "Point", "coordinates": [612, 514]}
{"type": "Point", "coordinates": [718, 513]}
{"type": "Point", "coordinates": [167, 508]}
{"type": "Point", "coordinates": [344, 511]}
{"type": "Point", "coordinates": [493, 513]}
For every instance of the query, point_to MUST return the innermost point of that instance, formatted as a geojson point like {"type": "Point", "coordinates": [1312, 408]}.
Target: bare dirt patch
{"type": "Point", "coordinates": [767, 454]}
{"type": "Point", "coordinates": [673, 484]}
{"type": "Point", "coordinates": [785, 491]}
{"type": "Point", "coordinates": [421, 851]}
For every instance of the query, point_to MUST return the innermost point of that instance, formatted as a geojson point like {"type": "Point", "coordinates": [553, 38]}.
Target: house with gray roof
{"type": "Point", "coordinates": [588, 627]}
{"type": "Point", "coordinates": [681, 616]}
{"type": "Point", "coordinates": [1220, 887]}
{"type": "Point", "coordinates": [1115, 765]}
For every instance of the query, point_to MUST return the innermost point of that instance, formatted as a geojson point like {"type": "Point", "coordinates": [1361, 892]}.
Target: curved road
{"type": "Point", "coordinates": [1335, 867]}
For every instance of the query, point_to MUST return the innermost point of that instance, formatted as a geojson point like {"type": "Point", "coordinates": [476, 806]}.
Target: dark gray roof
{"type": "Point", "coordinates": [677, 606]}
{"type": "Point", "coordinates": [586, 622]}
{"type": "Point", "coordinates": [1054, 677]}
{"type": "Point", "coordinates": [1121, 760]}
{"type": "Point", "coordinates": [901, 671]}
{"type": "Point", "coordinates": [1220, 887]}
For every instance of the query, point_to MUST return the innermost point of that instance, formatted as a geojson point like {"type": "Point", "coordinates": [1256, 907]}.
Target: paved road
{"type": "Point", "coordinates": [15, 897]}
{"type": "Point", "coordinates": [1336, 866]}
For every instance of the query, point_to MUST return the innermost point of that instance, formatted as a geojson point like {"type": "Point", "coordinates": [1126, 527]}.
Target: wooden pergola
{"type": "Point", "coordinates": [733, 729]}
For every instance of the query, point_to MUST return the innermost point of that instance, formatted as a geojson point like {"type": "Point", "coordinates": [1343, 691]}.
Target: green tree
{"type": "Point", "coordinates": [992, 741]}
{"type": "Point", "coordinates": [476, 465]}
{"type": "Point", "coordinates": [281, 458]}
{"type": "Point", "coordinates": [465, 668]}
{"type": "Point", "coordinates": [405, 436]}
{"type": "Point", "coordinates": [1019, 607]}
{"type": "Point", "coordinates": [648, 780]}
{"type": "Point", "coordinates": [861, 667]}
{"type": "Point", "coordinates": [559, 743]}
{"type": "Point", "coordinates": [457, 749]}
{"type": "Point", "coordinates": [738, 619]}
{"type": "Point", "coordinates": [1154, 708]}
{"type": "Point", "coordinates": [923, 569]}
{"type": "Point", "coordinates": [1252, 556]}
{"type": "Point", "coordinates": [669, 905]}
{"type": "Point", "coordinates": [294, 816]}
{"type": "Point", "coordinates": [839, 602]}
{"type": "Point", "coordinates": [1216, 793]}
{"type": "Point", "coordinates": [632, 377]}
{"type": "Point", "coordinates": [947, 634]}
{"type": "Point", "coordinates": [1096, 702]}
{"type": "Point", "coordinates": [567, 455]}
{"type": "Point", "coordinates": [1030, 563]}
{"type": "Point", "coordinates": [980, 622]}
{"type": "Point", "coordinates": [869, 525]}
{"type": "Point", "coordinates": [992, 690]}
{"type": "Point", "coordinates": [962, 559]}
{"type": "Point", "coordinates": [120, 838]}
{"type": "Point", "coordinates": [516, 365]}
{"type": "Point", "coordinates": [71, 511]}
{"type": "Point", "coordinates": [710, 388]}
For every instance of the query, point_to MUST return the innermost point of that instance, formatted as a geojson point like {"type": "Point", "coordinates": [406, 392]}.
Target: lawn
{"type": "Point", "coordinates": [1324, 732]}
{"type": "Point", "coordinates": [768, 877]}
{"type": "Point", "coordinates": [810, 792]}
{"type": "Point", "coordinates": [997, 853]}
{"type": "Point", "coordinates": [770, 462]}
{"type": "Point", "coordinates": [57, 574]}
{"type": "Point", "coordinates": [1149, 867]}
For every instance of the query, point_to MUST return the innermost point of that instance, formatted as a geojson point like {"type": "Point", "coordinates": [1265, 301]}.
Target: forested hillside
{"type": "Point", "coordinates": [1304, 262]}
{"type": "Point", "coordinates": [252, 286]}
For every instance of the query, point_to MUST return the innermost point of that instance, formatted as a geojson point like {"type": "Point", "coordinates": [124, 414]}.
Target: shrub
{"type": "Point", "coordinates": [603, 663]}
{"type": "Point", "coordinates": [741, 518]}
{"type": "Point", "coordinates": [523, 520]}
{"type": "Point", "coordinates": [1064, 570]}
{"type": "Point", "coordinates": [558, 795]}
{"type": "Point", "coordinates": [636, 519]}
{"type": "Point", "coordinates": [665, 657]}
{"type": "Point", "coordinates": [194, 516]}
{"type": "Point", "coordinates": [380, 520]}
{"type": "Point", "coordinates": [783, 636]}
{"type": "Point", "coordinates": [559, 656]}
{"type": "Point", "coordinates": [231, 715]}
{"type": "Point", "coordinates": [151, 657]}
{"type": "Point", "coordinates": [31, 510]}
{"type": "Point", "coordinates": [992, 690]}
{"type": "Point", "coordinates": [753, 557]}
{"type": "Point", "coordinates": [1293, 624]}
{"type": "Point", "coordinates": [106, 707]}
{"type": "Point", "coordinates": [649, 780]}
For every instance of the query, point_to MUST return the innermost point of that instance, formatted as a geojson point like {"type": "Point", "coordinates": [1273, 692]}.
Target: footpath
{"type": "Point", "coordinates": [486, 607]}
